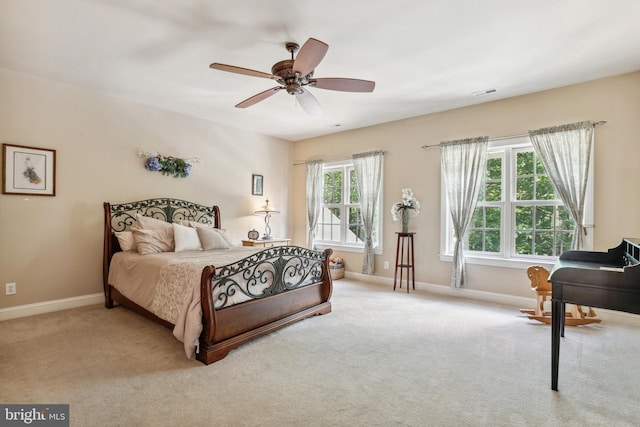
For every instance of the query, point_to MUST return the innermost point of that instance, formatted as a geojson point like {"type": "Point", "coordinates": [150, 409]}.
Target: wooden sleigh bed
{"type": "Point", "coordinates": [280, 285]}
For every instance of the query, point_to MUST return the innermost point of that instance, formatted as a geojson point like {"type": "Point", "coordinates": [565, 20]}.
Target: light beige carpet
{"type": "Point", "coordinates": [381, 358]}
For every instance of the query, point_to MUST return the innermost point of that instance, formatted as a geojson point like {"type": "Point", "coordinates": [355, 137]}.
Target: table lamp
{"type": "Point", "coordinates": [267, 210]}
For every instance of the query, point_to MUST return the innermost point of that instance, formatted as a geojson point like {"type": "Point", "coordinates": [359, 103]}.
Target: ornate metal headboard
{"type": "Point", "coordinates": [122, 216]}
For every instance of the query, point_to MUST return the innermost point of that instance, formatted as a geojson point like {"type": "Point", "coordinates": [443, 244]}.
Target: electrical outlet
{"type": "Point", "coordinates": [10, 288]}
{"type": "Point", "coordinates": [386, 265]}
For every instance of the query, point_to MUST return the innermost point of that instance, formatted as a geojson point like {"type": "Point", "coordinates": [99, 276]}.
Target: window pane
{"type": "Point", "coordinates": [494, 169]}
{"type": "Point", "coordinates": [491, 190]}
{"type": "Point", "coordinates": [524, 243]}
{"type": "Point", "coordinates": [494, 192]}
{"type": "Point", "coordinates": [475, 240]}
{"type": "Point", "coordinates": [329, 224]}
{"type": "Point", "coordinates": [524, 188]}
{"type": "Point", "coordinates": [478, 218]}
{"type": "Point", "coordinates": [492, 241]}
{"type": "Point", "coordinates": [492, 217]}
{"type": "Point", "coordinates": [481, 237]}
{"type": "Point", "coordinates": [544, 217]}
{"type": "Point", "coordinates": [333, 187]}
{"type": "Point", "coordinates": [544, 244]}
{"type": "Point", "coordinates": [524, 163]}
{"type": "Point", "coordinates": [544, 188]}
{"type": "Point", "coordinates": [524, 217]}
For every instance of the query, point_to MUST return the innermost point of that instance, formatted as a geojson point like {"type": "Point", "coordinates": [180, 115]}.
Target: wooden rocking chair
{"type": "Point", "coordinates": [539, 277]}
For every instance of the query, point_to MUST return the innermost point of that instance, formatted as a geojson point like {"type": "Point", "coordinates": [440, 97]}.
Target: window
{"type": "Point", "coordinates": [518, 216]}
{"type": "Point", "coordinates": [340, 223]}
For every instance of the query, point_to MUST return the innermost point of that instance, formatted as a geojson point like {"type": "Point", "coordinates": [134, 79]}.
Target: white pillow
{"type": "Point", "coordinates": [126, 241]}
{"type": "Point", "coordinates": [186, 238]}
{"type": "Point", "coordinates": [163, 231]}
{"type": "Point", "coordinates": [210, 238]}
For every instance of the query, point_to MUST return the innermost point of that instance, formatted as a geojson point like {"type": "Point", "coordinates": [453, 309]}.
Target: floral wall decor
{"type": "Point", "coordinates": [168, 165]}
{"type": "Point", "coordinates": [408, 205]}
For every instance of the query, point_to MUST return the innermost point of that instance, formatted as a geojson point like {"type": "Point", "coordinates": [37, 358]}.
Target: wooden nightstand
{"type": "Point", "coordinates": [266, 243]}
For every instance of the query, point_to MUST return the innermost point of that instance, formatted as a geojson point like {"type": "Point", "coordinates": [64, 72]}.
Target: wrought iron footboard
{"type": "Point", "coordinates": [266, 273]}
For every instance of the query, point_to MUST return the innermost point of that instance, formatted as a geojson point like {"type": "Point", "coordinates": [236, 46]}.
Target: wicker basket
{"type": "Point", "coordinates": [337, 271]}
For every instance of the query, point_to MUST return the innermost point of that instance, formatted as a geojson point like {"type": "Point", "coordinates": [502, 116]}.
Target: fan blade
{"type": "Point", "coordinates": [259, 97]}
{"type": "Point", "coordinates": [310, 55]}
{"type": "Point", "coordinates": [309, 103]}
{"type": "Point", "coordinates": [241, 70]}
{"type": "Point", "coordinates": [343, 85]}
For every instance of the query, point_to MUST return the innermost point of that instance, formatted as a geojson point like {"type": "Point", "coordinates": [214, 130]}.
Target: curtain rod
{"type": "Point", "coordinates": [330, 160]}
{"type": "Point", "coordinates": [499, 138]}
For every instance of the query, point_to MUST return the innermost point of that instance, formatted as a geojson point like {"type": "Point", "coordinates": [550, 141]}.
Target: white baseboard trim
{"type": "Point", "coordinates": [49, 306]}
{"type": "Point", "coordinates": [490, 297]}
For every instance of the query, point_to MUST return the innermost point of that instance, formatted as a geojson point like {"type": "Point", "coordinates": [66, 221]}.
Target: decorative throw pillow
{"type": "Point", "coordinates": [149, 241]}
{"type": "Point", "coordinates": [220, 231]}
{"type": "Point", "coordinates": [223, 233]}
{"type": "Point", "coordinates": [186, 238]}
{"type": "Point", "coordinates": [163, 231]}
{"type": "Point", "coordinates": [125, 239]}
{"type": "Point", "coordinates": [211, 239]}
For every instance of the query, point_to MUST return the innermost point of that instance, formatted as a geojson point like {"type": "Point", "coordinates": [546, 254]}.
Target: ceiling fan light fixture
{"type": "Point", "coordinates": [294, 89]}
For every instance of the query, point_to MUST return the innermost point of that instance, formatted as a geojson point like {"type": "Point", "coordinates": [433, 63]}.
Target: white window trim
{"type": "Point", "coordinates": [346, 247]}
{"type": "Point", "coordinates": [509, 260]}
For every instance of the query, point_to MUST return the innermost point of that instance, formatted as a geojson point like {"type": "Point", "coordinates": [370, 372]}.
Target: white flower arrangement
{"type": "Point", "coordinates": [408, 202]}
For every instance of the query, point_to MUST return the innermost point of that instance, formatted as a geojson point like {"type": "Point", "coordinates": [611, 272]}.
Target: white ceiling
{"type": "Point", "coordinates": [425, 55]}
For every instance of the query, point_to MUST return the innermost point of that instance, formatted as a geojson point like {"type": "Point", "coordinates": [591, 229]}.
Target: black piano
{"type": "Point", "coordinates": [609, 280]}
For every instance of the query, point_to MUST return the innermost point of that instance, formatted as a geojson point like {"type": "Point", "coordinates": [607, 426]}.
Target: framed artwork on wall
{"type": "Point", "coordinates": [256, 185]}
{"type": "Point", "coordinates": [28, 170]}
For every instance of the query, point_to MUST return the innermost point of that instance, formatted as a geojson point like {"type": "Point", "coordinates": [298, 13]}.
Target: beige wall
{"type": "Point", "coordinates": [617, 166]}
{"type": "Point", "coordinates": [52, 246]}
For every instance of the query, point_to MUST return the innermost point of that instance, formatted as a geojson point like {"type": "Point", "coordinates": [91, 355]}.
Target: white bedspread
{"type": "Point", "coordinates": [168, 285]}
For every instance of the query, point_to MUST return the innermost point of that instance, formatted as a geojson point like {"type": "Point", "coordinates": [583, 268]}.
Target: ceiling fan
{"type": "Point", "coordinates": [294, 75]}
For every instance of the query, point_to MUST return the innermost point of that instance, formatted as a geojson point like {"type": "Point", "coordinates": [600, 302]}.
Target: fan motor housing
{"type": "Point", "coordinates": [289, 79]}
{"type": "Point", "coordinates": [283, 69]}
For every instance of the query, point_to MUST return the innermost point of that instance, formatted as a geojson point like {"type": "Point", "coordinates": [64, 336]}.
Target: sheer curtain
{"type": "Point", "coordinates": [314, 197]}
{"type": "Point", "coordinates": [368, 168]}
{"type": "Point", "coordinates": [565, 153]}
{"type": "Point", "coordinates": [463, 165]}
